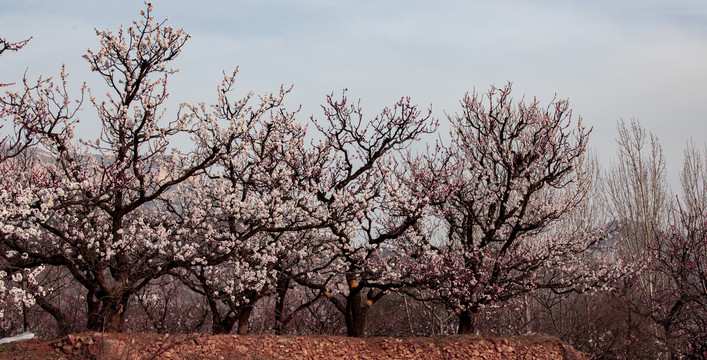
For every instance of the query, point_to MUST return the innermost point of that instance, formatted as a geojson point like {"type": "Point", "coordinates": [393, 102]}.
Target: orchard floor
{"type": "Point", "coordinates": [130, 346]}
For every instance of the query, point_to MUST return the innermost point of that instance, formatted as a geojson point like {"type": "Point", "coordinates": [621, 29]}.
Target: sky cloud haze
{"type": "Point", "coordinates": [612, 59]}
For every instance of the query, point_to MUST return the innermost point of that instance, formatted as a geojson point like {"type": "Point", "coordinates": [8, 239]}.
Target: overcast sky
{"type": "Point", "coordinates": [644, 59]}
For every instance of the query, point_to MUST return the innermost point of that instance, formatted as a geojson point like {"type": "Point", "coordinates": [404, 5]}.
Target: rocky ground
{"type": "Point", "coordinates": [197, 346]}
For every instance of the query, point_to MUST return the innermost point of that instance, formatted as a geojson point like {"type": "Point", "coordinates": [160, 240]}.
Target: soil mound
{"type": "Point", "coordinates": [132, 346]}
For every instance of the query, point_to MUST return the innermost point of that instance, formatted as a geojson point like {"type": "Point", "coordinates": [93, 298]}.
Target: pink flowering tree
{"type": "Point", "coordinates": [680, 306]}
{"type": "Point", "coordinates": [6, 45]}
{"type": "Point", "coordinates": [678, 258]}
{"type": "Point", "coordinates": [517, 173]}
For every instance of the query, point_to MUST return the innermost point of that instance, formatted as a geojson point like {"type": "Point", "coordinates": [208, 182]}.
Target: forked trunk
{"type": "Point", "coordinates": [105, 313]}
{"type": "Point", "coordinates": [225, 325]}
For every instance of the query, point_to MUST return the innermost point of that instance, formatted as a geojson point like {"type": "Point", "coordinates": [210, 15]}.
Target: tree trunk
{"type": "Point", "coordinates": [244, 320]}
{"type": "Point", "coordinates": [114, 313]}
{"type": "Point", "coordinates": [467, 321]}
{"type": "Point", "coordinates": [527, 318]}
{"type": "Point", "coordinates": [282, 286]}
{"type": "Point", "coordinates": [115, 319]}
{"type": "Point", "coordinates": [223, 325]}
{"type": "Point", "coordinates": [94, 322]}
{"type": "Point", "coordinates": [356, 311]}
{"type": "Point", "coordinates": [25, 308]}
{"type": "Point", "coordinates": [106, 313]}
{"type": "Point", "coordinates": [62, 324]}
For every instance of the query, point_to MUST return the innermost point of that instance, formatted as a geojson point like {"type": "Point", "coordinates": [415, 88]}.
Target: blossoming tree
{"type": "Point", "coordinates": [109, 223]}
{"type": "Point", "coordinates": [25, 122]}
{"type": "Point", "coordinates": [678, 259]}
{"type": "Point", "coordinates": [517, 171]}
{"type": "Point", "coordinates": [244, 211]}
{"type": "Point", "coordinates": [373, 210]}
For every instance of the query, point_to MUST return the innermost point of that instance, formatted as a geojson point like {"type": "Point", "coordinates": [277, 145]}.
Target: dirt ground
{"type": "Point", "coordinates": [131, 346]}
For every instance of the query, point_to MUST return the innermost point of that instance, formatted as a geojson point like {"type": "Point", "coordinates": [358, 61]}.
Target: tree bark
{"type": "Point", "coordinates": [94, 322]}
{"type": "Point", "coordinates": [113, 312]}
{"type": "Point", "coordinates": [467, 321]}
{"type": "Point", "coordinates": [244, 320]}
{"type": "Point", "coordinates": [223, 325]}
{"type": "Point", "coordinates": [62, 324]}
{"type": "Point", "coordinates": [115, 319]}
{"type": "Point", "coordinates": [106, 313]}
{"type": "Point", "coordinates": [356, 312]}
{"type": "Point", "coordinates": [282, 286]}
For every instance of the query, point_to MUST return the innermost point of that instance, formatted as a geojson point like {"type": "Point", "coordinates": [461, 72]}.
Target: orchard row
{"type": "Point", "coordinates": [341, 207]}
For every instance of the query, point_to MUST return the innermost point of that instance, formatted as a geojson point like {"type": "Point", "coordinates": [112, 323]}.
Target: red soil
{"type": "Point", "coordinates": [197, 346]}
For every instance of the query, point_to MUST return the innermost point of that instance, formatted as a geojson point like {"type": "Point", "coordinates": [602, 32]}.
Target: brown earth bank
{"type": "Point", "coordinates": [134, 346]}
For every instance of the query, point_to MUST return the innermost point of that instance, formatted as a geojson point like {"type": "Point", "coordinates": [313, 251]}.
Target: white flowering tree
{"type": "Point", "coordinates": [518, 172]}
{"type": "Point", "coordinates": [109, 223]}
{"type": "Point", "coordinates": [38, 112]}
{"type": "Point", "coordinates": [243, 213]}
